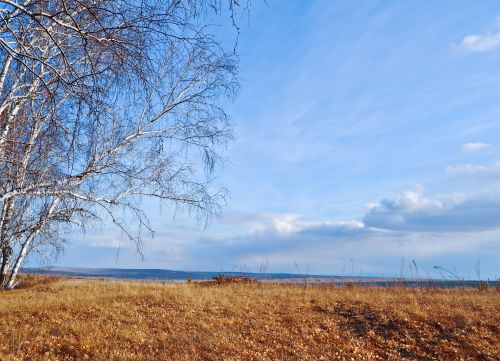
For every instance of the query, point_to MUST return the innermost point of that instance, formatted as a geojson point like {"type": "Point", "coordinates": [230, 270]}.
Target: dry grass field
{"type": "Point", "coordinates": [70, 319]}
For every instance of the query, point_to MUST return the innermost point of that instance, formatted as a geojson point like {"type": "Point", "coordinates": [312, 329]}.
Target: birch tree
{"type": "Point", "coordinates": [103, 103]}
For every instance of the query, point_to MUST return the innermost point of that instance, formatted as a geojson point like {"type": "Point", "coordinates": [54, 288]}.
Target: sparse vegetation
{"type": "Point", "coordinates": [225, 280]}
{"type": "Point", "coordinates": [71, 319]}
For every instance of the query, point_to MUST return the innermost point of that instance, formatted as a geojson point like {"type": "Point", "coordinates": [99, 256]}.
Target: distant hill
{"type": "Point", "coordinates": [157, 274]}
{"type": "Point", "coordinates": [171, 275]}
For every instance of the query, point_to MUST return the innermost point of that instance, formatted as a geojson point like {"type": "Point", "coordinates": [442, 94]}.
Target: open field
{"type": "Point", "coordinates": [68, 319]}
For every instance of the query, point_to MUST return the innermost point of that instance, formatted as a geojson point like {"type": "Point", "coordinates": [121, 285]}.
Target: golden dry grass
{"type": "Point", "coordinates": [114, 320]}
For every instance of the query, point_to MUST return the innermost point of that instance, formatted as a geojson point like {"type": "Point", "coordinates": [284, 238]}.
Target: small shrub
{"type": "Point", "coordinates": [484, 286]}
{"type": "Point", "coordinates": [227, 280]}
{"type": "Point", "coordinates": [350, 285]}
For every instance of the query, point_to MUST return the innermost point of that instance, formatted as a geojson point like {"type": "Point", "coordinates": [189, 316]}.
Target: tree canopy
{"type": "Point", "coordinates": [102, 103]}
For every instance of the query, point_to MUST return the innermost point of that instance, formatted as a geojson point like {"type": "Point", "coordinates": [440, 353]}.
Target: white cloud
{"type": "Point", "coordinates": [482, 42]}
{"type": "Point", "coordinates": [488, 171]}
{"type": "Point", "coordinates": [412, 212]}
{"type": "Point", "coordinates": [287, 224]}
{"type": "Point", "coordinates": [409, 217]}
{"type": "Point", "coordinates": [101, 238]}
{"type": "Point", "coordinates": [406, 225]}
{"type": "Point", "coordinates": [476, 147]}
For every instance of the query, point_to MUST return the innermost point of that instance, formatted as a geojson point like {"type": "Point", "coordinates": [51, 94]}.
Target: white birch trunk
{"type": "Point", "coordinates": [25, 246]}
{"type": "Point", "coordinates": [20, 258]}
{"type": "Point", "coordinates": [3, 74]}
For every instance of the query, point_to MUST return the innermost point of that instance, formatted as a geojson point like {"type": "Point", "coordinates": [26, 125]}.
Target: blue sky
{"type": "Point", "coordinates": [366, 133]}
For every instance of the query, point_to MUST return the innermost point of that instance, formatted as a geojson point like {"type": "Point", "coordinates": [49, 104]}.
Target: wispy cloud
{"type": "Point", "coordinates": [485, 172]}
{"type": "Point", "coordinates": [476, 147]}
{"type": "Point", "coordinates": [482, 42]}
